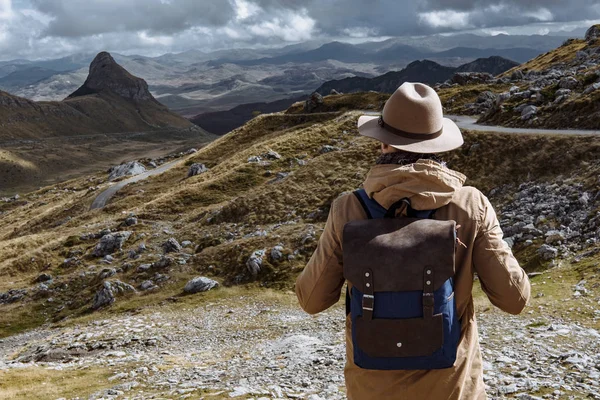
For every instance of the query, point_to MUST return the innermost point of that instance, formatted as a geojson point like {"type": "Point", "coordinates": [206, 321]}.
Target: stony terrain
{"type": "Point", "coordinates": [245, 213]}
{"type": "Point", "coordinates": [262, 346]}
{"type": "Point", "coordinates": [557, 90]}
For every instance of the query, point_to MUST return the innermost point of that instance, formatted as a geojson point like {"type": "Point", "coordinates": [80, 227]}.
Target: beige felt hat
{"type": "Point", "coordinates": [413, 121]}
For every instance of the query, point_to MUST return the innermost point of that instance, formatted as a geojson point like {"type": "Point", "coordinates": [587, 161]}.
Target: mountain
{"type": "Point", "coordinates": [222, 122]}
{"type": "Point", "coordinates": [518, 54]}
{"type": "Point", "coordinates": [419, 71]}
{"type": "Point", "coordinates": [494, 65]}
{"type": "Point", "coordinates": [111, 100]}
{"type": "Point", "coordinates": [106, 75]}
{"type": "Point", "coordinates": [25, 77]}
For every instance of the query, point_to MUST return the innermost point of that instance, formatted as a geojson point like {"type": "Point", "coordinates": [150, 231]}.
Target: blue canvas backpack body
{"type": "Point", "coordinates": [401, 302]}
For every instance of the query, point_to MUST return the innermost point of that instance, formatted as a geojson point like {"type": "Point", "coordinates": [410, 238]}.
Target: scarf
{"type": "Point", "coordinates": [405, 158]}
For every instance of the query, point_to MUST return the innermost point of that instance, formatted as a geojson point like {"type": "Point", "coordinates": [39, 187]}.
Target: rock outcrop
{"type": "Point", "coordinates": [106, 74]}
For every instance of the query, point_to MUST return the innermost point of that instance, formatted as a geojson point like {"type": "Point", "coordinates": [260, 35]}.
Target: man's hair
{"type": "Point", "coordinates": [401, 157]}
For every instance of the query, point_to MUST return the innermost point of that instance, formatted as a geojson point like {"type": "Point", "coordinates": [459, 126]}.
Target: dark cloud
{"type": "Point", "coordinates": [72, 18]}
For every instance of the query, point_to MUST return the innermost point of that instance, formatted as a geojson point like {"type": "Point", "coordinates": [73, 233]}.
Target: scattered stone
{"type": "Point", "coordinates": [12, 296]}
{"type": "Point", "coordinates": [171, 246]}
{"type": "Point", "coordinates": [272, 155]}
{"type": "Point", "coordinates": [200, 284]}
{"type": "Point", "coordinates": [130, 221]}
{"type": "Point", "coordinates": [186, 243]}
{"type": "Point", "coordinates": [131, 168]}
{"type": "Point", "coordinates": [328, 149]}
{"type": "Point", "coordinates": [43, 278]}
{"type": "Point", "coordinates": [163, 263]}
{"type": "Point", "coordinates": [568, 82]}
{"type": "Point", "coordinates": [277, 253]}
{"type": "Point", "coordinates": [147, 285]}
{"type": "Point", "coordinates": [528, 112]}
{"type": "Point", "coordinates": [108, 293]}
{"type": "Point", "coordinates": [254, 159]}
{"type": "Point", "coordinates": [254, 262]}
{"type": "Point", "coordinates": [111, 243]}
{"type": "Point", "coordinates": [196, 169]}
{"type": "Point", "coordinates": [547, 253]}
{"type": "Point", "coordinates": [314, 102]}
{"type": "Point", "coordinates": [592, 33]}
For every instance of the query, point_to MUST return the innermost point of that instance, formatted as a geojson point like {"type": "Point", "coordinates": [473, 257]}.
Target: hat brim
{"type": "Point", "coordinates": [450, 139]}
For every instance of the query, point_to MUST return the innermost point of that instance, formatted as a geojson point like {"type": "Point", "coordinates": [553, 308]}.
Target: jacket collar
{"type": "Point", "coordinates": [428, 184]}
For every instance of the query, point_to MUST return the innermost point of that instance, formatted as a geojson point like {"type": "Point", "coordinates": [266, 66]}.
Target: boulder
{"type": "Point", "coordinates": [163, 263]}
{"type": "Point", "coordinates": [171, 246]}
{"type": "Point", "coordinates": [196, 169]}
{"type": "Point", "coordinates": [130, 221]}
{"type": "Point", "coordinates": [128, 169]}
{"type": "Point", "coordinates": [43, 278]}
{"type": "Point", "coordinates": [517, 76]}
{"type": "Point", "coordinates": [12, 296]}
{"type": "Point", "coordinates": [272, 155]}
{"type": "Point", "coordinates": [592, 88]}
{"type": "Point", "coordinates": [528, 112]}
{"type": "Point", "coordinates": [109, 292]}
{"type": "Point", "coordinates": [111, 243]}
{"type": "Point", "coordinates": [147, 285]}
{"type": "Point", "coordinates": [254, 159]}
{"type": "Point", "coordinates": [314, 102]}
{"type": "Point", "coordinates": [554, 237]}
{"type": "Point", "coordinates": [593, 33]}
{"type": "Point", "coordinates": [568, 82]}
{"type": "Point", "coordinates": [254, 262]}
{"type": "Point", "coordinates": [277, 253]}
{"type": "Point", "coordinates": [547, 253]}
{"type": "Point", "coordinates": [334, 92]}
{"type": "Point", "coordinates": [200, 284]}
{"type": "Point", "coordinates": [486, 96]}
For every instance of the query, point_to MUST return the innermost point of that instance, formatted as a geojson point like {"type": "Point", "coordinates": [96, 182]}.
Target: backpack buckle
{"type": "Point", "coordinates": [368, 302]}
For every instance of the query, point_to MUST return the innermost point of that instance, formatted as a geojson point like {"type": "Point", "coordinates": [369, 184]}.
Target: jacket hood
{"type": "Point", "coordinates": [428, 184]}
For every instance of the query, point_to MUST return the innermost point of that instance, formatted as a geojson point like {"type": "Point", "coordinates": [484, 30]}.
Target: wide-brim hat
{"type": "Point", "coordinates": [413, 121]}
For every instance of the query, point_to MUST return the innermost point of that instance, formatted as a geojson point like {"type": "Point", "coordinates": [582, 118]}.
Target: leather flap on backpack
{"type": "Point", "coordinates": [398, 251]}
{"type": "Point", "coordinates": [415, 337]}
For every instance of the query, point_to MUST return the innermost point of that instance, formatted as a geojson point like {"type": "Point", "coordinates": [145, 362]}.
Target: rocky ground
{"type": "Point", "coordinates": [261, 347]}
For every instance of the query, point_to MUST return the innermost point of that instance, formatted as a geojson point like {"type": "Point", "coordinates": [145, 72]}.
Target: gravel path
{"type": "Point", "coordinates": [103, 198]}
{"type": "Point", "coordinates": [263, 349]}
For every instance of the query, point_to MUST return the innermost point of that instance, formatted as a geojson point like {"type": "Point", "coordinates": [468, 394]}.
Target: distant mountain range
{"type": "Point", "coordinates": [195, 82]}
{"type": "Point", "coordinates": [419, 71]}
{"type": "Point", "coordinates": [426, 71]}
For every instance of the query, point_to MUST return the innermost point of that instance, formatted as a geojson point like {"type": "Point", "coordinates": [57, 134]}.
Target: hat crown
{"type": "Point", "coordinates": [414, 108]}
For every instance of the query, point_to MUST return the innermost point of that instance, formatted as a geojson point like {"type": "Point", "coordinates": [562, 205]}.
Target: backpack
{"type": "Point", "coordinates": [401, 302]}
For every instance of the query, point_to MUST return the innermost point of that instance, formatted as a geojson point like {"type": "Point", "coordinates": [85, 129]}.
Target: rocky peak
{"type": "Point", "coordinates": [106, 74]}
{"type": "Point", "coordinates": [593, 33]}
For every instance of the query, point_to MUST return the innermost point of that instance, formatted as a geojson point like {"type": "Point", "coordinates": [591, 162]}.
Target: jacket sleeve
{"type": "Point", "coordinates": [502, 279]}
{"type": "Point", "coordinates": [318, 287]}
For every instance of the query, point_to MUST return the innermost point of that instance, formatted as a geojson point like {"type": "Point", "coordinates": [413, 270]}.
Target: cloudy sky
{"type": "Point", "coordinates": [52, 28]}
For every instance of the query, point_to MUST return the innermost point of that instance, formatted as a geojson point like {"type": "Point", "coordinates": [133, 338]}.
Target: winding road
{"type": "Point", "coordinates": [105, 196]}
{"type": "Point", "coordinates": [470, 123]}
{"type": "Point", "coordinates": [463, 122]}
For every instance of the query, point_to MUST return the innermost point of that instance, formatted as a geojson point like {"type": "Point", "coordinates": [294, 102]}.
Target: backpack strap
{"type": "Point", "coordinates": [361, 198]}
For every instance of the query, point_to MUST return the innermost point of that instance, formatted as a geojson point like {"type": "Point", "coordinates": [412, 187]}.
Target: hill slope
{"type": "Point", "coordinates": [242, 205]}
{"type": "Point", "coordinates": [557, 90]}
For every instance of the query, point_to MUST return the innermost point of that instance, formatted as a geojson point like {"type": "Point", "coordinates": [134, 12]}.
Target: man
{"type": "Point", "coordinates": [412, 131]}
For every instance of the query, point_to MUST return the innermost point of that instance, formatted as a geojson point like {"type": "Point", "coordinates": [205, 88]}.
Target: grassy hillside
{"type": "Point", "coordinates": [234, 209]}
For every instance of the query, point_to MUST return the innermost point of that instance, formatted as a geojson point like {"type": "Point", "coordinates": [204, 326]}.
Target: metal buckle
{"type": "Point", "coordinates": [367, 298]}
{"type": "Point", "coordinates": [428, 300]}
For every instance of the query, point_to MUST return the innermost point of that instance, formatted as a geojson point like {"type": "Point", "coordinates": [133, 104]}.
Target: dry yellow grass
{"type": "Point", "coordinates": [218, 209]}
{"type": "Point", "coordinates": [48, 384]}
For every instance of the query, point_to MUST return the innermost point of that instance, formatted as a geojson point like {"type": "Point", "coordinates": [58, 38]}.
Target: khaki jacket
{"type": "Point", "coordinates": [430, 186]}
